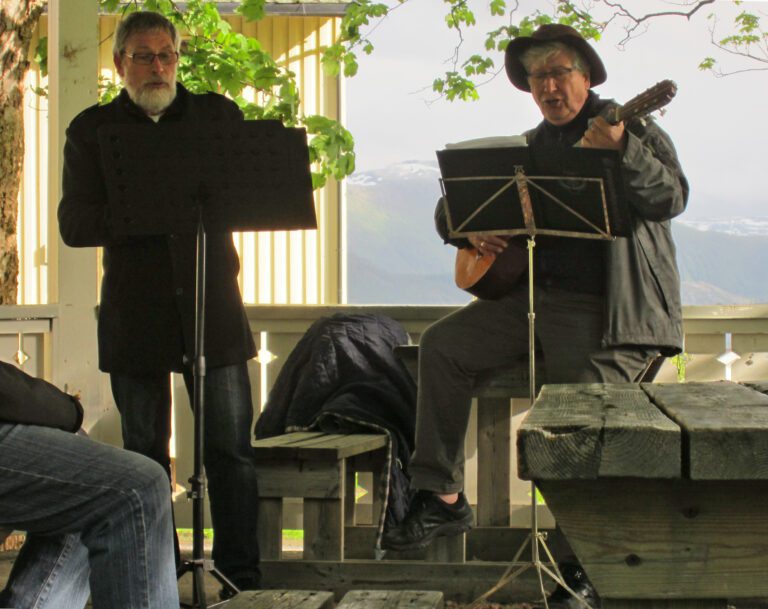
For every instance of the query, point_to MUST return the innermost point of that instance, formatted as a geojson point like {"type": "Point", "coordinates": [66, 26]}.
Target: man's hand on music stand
{"type": "Point", "coordinates": [601, 134]}
{"type": "Point", "coordinates": [488, 243]}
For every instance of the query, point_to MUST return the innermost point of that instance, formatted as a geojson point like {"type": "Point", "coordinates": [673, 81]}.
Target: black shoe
{"type": "Point", "coordinates": [577, 580]}
{"type": "Point", "coordinates": [428, 517]}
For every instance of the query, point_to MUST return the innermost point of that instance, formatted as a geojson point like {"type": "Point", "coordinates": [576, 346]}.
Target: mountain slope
{"type": "Point", "coordinates": [396, 256]}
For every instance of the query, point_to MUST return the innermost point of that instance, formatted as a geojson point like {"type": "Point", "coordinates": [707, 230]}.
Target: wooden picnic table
{"type": "Point", "coordinates": [661, 489]}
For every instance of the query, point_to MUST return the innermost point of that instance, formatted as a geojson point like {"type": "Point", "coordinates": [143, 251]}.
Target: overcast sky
{"type": "Point", "coordinates": [719, 125]}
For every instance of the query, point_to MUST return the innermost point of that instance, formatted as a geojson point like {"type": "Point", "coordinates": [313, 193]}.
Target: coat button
{"type": "Point", "coordinates": [179, 291]}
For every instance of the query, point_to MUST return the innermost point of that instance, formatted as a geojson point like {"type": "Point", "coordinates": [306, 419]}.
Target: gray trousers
{"type": "Point", "coordinates": [488, 334]}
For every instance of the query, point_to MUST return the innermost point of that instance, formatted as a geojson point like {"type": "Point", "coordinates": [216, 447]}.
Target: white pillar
{"type": "Point", "coordinates": [73, 46]}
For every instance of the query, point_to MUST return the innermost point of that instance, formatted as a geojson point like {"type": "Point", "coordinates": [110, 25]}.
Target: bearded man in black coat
{"type": "Point", "coordinates": [146, 314]}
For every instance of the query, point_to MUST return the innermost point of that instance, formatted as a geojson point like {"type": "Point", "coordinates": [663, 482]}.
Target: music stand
{"type": "Point", "coordinates": [573, 192]}
{"type": "Point", "coordinates": [171, 178]}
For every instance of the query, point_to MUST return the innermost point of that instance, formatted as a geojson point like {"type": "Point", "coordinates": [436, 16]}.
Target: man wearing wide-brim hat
{"type": "Point", "coordinates": [604, 309]}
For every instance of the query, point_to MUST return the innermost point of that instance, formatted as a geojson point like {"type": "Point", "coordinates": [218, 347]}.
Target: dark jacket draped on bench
{"type": "Point", "coordinates": [343, 377]}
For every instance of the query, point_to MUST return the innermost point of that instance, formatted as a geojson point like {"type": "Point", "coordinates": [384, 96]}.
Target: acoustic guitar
{"type": "Point", "coordinates": [492, 276]}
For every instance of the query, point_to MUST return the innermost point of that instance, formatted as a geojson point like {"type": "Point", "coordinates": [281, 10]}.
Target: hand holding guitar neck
{"type": "Point", "coordinates": [488, 244]}
{"type": "Point", "coordinates": [602, 134]}
{"type": "Point", "coordinates": [607, 131]}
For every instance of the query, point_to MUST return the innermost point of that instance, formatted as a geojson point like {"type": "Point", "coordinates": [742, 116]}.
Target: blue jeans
{"type": "Point", "coordinates": [144, 403]}
{"type": "Point", "coordinates": [97, 517]}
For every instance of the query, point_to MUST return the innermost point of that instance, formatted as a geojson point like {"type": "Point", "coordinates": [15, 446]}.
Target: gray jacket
{"type": "Point", "coordinates": [642, 281]}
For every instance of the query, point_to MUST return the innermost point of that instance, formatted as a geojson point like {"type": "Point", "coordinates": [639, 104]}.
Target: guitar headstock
{"type": "Point", "coordinates": [654, 98]}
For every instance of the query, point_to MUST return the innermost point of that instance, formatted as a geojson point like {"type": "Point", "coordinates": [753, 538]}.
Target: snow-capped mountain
{"type": "Point", "coordinates": [743, 227]}
{"type": "Point", "coordinates": [406, 170]}
{"type": "Point", "coordinates": [396, 257]}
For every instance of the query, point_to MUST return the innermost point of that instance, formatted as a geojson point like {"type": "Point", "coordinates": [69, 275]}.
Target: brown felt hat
{"type": "Point", "coordinates": [551, 32]}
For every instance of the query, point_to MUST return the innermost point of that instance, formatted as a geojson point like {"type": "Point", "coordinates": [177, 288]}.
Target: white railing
{"type": "Point", "coordinates": [721, 342]}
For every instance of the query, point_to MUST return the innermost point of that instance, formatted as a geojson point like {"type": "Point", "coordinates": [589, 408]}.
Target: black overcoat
{"type": "Point", "coordinates": [146, 312]}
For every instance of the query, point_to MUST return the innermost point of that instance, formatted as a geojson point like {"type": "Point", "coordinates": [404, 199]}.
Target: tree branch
{"type": "Point", "coordinates": [637, 21]}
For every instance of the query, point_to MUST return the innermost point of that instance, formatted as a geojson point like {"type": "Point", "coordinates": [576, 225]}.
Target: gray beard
{"type": "Point", "coordinates": [152, 101]}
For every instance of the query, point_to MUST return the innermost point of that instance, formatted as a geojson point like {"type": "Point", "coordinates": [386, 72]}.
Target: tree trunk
{"type": "Point", "coordinates": [18, 19]}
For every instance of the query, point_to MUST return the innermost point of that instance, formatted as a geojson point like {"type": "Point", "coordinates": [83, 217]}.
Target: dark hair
{"type": "Point", "coordinates": [142, 21]}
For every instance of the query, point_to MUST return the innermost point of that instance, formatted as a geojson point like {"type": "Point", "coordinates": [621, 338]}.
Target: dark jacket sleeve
{"type": "Point", "coordinates": [656, 189]}
{"type": "Point", "coordinates": [32, 401]}
{"type": "Point", "coordinates": [83, 211]}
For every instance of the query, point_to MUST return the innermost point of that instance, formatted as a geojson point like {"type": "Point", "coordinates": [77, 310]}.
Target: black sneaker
{"type": "Point", "coordinates": [577, 580]}
{"type": "Point", "coordinates": [428, 517]}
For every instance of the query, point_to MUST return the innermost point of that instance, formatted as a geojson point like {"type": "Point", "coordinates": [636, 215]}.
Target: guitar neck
{"type": "Point", "coordinates": [649, 100]}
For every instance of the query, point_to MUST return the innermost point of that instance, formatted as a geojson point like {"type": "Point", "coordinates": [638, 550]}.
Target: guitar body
{"type": "Point", "coordinates": [492, 276]}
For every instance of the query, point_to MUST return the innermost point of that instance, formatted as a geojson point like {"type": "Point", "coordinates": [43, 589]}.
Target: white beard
{"type": "Point", "coordinates": [152, 101]}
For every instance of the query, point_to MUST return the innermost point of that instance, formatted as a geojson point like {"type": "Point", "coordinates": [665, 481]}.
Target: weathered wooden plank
{"type": "Point", "coordinates": [282, 599]}
{"type": "Point", "coordinates": [340, 446]}
{"type": "Point", "coordinates": [591, 431]}
{"type": "Point", "coordinates": [270, 531]}
{"type": "Point", "coordinates": [320, 479]}
{"type": "Point", "coordinates": [504, 382]}
{"type": "Point", "coordinates": [458, 582]}
{"type": "Point", "coordinates": [316, 445]}
{"type": "Point", "coordinates": [285, 440]}
{"type": "Point", "coordinates": [637, 603]}
{"type": "Point", "coordinates": [493, 460]}
{"type": "Point", "coordinates": [349, 497]}
{"type": "Point", "coordinates": [725, 425]}
{"type": "Point", "coordinates": [490, 544]}
{"type": "Point", "coordinates": [392, 599]}
{"type": "Point", "coordinates": [323, 529]}
{"type": "Point", "coordinates": [666, 538]}
{"type": "Point", "coordinates": [449, 549]}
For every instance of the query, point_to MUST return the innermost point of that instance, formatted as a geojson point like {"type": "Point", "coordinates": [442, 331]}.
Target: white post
{"type": "Point", "coordinates": [73, 46]}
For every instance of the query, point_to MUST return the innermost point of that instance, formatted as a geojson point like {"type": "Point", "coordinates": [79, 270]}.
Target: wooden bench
{"type": "Point", "coordinates": [661, 490]}
{"type": "Point", "coordinates": [320, 469]}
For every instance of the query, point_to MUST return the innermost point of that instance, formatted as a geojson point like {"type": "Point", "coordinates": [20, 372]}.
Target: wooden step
{"type": "Point", "coordinates": [392, 599]}
{"type": "Point", "coordinates": [282, 599]}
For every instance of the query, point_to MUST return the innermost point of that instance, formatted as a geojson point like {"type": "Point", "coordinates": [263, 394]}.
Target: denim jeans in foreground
{"type": "Point", "coordinates": [97, 517]}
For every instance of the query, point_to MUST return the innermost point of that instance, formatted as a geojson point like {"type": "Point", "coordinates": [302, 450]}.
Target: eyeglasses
{"type": "Point", "coordinates": [558, 75]}
{"type": "Point", "coordinates": [167, 58]}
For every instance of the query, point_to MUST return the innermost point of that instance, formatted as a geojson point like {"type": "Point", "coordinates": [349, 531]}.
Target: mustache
{"type": "Point", "coordinates": [156, 80]}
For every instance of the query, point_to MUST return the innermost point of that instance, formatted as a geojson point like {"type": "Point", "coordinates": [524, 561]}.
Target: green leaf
{"type": "Point", "coordinates": [41, 55]}
{"type": "Point", "coordinates": [498, 7]}
{"type": "Point", "coordinates": [109, 6]}
{"type": "Point", "coordinates": [252, 10]}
